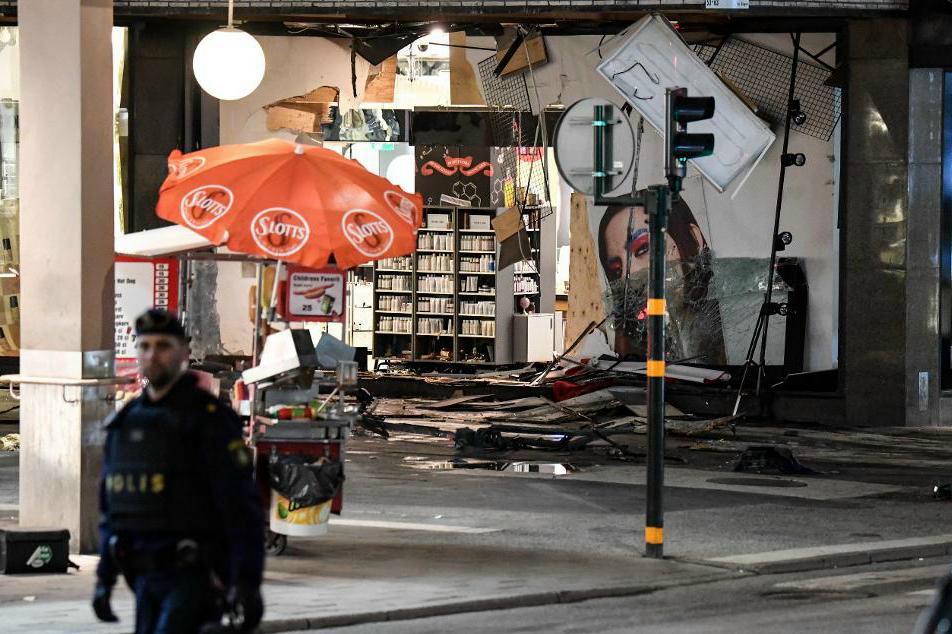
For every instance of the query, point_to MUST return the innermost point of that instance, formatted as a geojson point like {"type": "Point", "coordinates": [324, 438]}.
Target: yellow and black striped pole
{"type": "Point", "coordinates": [658, 207]}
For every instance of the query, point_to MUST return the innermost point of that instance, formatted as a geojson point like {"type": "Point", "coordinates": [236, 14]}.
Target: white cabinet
{"type": "Point", "coordinates": [532, 337]}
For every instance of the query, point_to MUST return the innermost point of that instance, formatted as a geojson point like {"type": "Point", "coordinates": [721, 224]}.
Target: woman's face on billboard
{"type": "Point", "coordinates": [618, 243]}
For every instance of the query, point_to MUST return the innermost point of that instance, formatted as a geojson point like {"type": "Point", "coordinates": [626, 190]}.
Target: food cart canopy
{"type": "Point", "coordinates": [163, 241]}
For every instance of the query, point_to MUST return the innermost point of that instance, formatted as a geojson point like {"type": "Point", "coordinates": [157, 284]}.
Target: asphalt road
{"type": "Point", "coordinates": [386, 481]}
{"type": "Point", "coordinates": [750, 605]}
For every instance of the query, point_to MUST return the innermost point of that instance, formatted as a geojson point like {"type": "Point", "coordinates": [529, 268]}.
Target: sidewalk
{"type": "Point", "coordinates": [360, 575]}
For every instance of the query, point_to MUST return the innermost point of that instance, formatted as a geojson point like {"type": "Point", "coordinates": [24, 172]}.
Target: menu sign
{"type": "Point", "coordinates": [142, 284]}
{"type": "Point", "coordinates": [315, 295]}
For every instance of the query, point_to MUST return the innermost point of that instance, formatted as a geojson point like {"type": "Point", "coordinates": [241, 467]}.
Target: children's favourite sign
{"type": "Point", "coordinates": [142, 284]}
{"type": "Point", "coordinates": [315, 294]}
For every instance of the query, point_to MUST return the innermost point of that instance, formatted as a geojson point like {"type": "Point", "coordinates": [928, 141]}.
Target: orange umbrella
{"type": "Point", "coordinates": [290, 202]}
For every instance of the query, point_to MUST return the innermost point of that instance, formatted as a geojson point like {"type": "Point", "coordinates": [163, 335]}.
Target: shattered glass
{"type": "Point", "coordinates": [713, 305]}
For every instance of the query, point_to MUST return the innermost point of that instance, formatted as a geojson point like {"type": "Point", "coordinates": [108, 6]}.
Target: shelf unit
{"type": "Point", "coordinates": [391, 304]}
{"type": "Point", "coordinates": [442, 332]}
{"type": "Point", "coordinates": [535, 278]}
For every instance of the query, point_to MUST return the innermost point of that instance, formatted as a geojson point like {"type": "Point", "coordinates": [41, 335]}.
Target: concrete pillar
{"type": "Point", "coordinates": [873, 264]}
{"type": "Point", "coordinates": [923, 273]}
{"type": "Point", "coordinates": [66, 233]}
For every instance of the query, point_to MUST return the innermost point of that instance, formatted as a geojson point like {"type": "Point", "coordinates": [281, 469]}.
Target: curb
{"type": "Point", "coordinates": [836, 556]}
{"type": "Point", "coordinates": [871, 583]}
{"type": "Point", "coordinates": [531, 600]}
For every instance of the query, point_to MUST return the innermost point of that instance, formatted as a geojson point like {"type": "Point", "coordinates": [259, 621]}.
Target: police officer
{"type": "Point", "coordinates": [181, 519]}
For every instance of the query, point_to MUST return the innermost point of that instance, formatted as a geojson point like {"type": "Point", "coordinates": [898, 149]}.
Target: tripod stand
{"type": "Point", "coordinates": [779, 241]}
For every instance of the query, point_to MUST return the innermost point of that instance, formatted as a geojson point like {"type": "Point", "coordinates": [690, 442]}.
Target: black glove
{"type": "Point", "coordinates": [101, 605]}
{"type": "Point", "coordinates": [247, 606]}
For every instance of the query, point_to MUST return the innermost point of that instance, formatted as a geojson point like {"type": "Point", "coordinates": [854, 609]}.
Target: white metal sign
{"type": "Point", "coordinates": [651, 57]}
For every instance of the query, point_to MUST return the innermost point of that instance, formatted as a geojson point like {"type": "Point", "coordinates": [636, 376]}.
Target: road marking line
{"type": "Point", "coordinates": [411, 526]}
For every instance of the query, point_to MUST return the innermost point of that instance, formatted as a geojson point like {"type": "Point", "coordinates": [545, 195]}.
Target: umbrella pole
{"type": "Point", "coordinates": [259, 293]}
{"type": "Point", "coordinates": [274, 291]}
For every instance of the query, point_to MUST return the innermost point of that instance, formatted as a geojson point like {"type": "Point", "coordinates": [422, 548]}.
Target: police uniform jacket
{"type": "Point", "coordinates": [177, 468]}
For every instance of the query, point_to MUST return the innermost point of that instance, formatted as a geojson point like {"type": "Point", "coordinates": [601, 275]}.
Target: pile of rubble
{"type": "Point", "coordinates": [599, 418]}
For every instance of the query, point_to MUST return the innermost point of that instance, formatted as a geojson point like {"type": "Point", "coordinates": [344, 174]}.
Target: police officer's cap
{"type": "Point", "coordinates": [159, 322]}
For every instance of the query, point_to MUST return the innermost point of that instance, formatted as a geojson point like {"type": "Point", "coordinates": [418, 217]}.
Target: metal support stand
{"type": "Point", "coordinates": [603, 147]}
{"type": "Point", "coordinates": [763, 318]}
{"type": "Point", "coordinates": [659, 206]}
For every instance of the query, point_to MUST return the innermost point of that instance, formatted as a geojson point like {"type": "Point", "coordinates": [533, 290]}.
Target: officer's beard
{"type": "Point", "coordinates": [163, 378]}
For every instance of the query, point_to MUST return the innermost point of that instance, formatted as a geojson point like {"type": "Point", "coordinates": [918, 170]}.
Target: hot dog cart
{"type": "Point", "coordinates": [301, 421]}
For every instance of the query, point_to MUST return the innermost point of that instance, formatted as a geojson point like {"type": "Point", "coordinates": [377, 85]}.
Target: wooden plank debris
{"type": "Point", "coordinates": [586, 304]}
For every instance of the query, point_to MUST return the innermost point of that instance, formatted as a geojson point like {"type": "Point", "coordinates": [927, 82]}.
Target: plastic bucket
{"type": "Point", "coordinates": [310, 521]}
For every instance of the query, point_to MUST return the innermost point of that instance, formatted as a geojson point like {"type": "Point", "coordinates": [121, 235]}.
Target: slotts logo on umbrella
{"type": "Point", "coordinates": [202, 206]}
{"type": "Point", "coordinates": [280, 232]}
{"type": "Point", "coordinates": [186, 167]}
{"type": "Point", "coordinates": [401, 205]}
{"type": "Point", "coordinates": [368, 232]}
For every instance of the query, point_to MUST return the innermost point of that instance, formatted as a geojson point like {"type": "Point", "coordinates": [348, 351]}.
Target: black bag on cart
{"type": "Point", "coordinates": [302, 483]}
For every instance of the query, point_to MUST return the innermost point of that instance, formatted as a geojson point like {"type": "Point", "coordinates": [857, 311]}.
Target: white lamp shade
{"type": "Point", "coordinates": [228, 64]}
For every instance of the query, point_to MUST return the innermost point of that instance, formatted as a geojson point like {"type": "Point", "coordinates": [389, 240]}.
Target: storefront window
{"type": "Point", "coordinates": [9, 175]}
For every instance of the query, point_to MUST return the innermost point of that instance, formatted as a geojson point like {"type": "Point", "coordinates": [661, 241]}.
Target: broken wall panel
{"type": "Point", "coordinates": [464, 86]}
{"type": "Point", "coordinates": [382, 82]}
{"type": "Point", "coordinates": [530, 54]}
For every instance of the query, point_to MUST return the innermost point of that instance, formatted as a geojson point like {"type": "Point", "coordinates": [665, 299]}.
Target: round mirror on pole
{"type": "Point", "coordinates": [578, 146]}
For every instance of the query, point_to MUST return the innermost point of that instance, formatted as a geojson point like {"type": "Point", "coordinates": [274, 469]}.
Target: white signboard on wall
{"type": "Point", "coordinates": [141, 285]}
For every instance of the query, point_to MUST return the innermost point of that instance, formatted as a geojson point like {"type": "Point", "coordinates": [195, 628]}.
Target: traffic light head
{"type": "Point", "coordinates": [681, 146]}
{"type": "Point", "coordinates": [685, 110]}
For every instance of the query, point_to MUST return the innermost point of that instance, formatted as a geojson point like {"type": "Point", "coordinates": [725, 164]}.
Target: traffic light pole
{"type": "Point", "coordinates": [658, 208]}
{"type": "Point", "coordinates": [679, 146]}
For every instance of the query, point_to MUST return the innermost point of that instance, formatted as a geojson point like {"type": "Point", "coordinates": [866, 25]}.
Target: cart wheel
{"type": "Point", "coordinates": [275, 543]}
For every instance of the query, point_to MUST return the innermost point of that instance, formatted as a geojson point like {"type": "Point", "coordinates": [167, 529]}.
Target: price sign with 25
{"type": "Point", "coordinates": [315, 295]}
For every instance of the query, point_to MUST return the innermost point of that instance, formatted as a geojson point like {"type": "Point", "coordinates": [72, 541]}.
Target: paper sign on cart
{"type": "Point", "coordinates": [315, 295]}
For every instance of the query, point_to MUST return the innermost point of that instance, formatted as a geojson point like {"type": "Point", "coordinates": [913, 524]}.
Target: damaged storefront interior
{"type": "Point", "coordinates": [429, 117]}
{"type": "Point", "coordinates": [533, 338]}
{"type": "Point", "coordinates": [599, 315]}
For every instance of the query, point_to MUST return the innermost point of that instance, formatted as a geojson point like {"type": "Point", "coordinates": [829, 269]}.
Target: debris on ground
{"type": "Point", "coordinates": [942, 491]}
{"type": "Point", "coordinates": [597, 418]}
{"type": "Point", "coordinates": [10, 442]}
{"type": "Point", "coordinates": [763, 459]}
{"type": "Point", "coordinates": [568, 405]}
